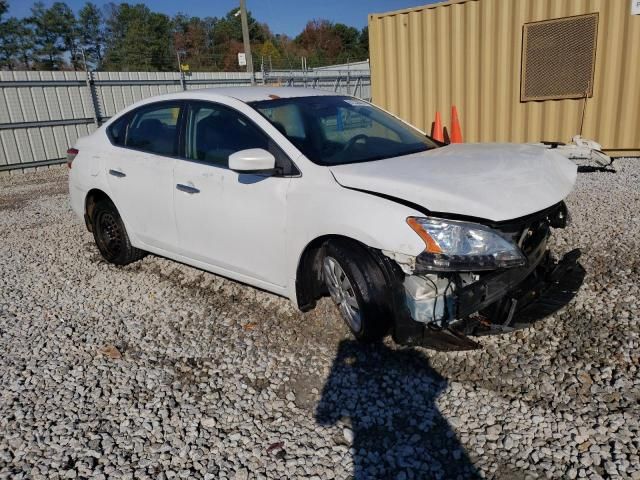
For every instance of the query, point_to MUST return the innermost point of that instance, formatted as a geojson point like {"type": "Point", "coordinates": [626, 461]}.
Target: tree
{"type": "Point", "coordinates": [16, 44]}
{"type": "Point", "coordinates": [319, 42]}
{"type": "Point", "coordinates": [132, 37]}
{"type": "Point", "coordinates": [289, 51]}
{"type": "Point", "coordinates": [91, 34]}
{"type": "Point", "coordinates": [325, 43]}
{"type": "Point", "coordinates": [54, 33]}
{"type": "Point", "coordinates": [212, 42]}
{"type": "Point", "coordinates": [230, 57]}
{"type": "Point", "coordinates": [230, 28]}
{"type": "Point", "coordinates": [15, 40]}
{"type": "Point", "coordinates": [363, 43]}
{"type": "Point", "coordinates": [270, 53]}
{"type": "Point", "coordinates": [349, 38]}
{"type": "Point", "coordinates": [192, 36]}
{"type": "Point", "coordinates": [228, 34]}
{"type": "Point", "coordinates": [68, 32]}
{"type": "Point", "coordinates": [138, 39]}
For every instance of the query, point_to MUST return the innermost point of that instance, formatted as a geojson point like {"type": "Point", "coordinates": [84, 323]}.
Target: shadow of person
{"type": "Point", "coordinates": [386, 398]}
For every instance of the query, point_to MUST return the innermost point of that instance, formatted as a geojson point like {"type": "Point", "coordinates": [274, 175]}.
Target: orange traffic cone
{"type": "Point", "coordinates": [456, 132]}
{"type": "Point", "coordinates": [436, 129]}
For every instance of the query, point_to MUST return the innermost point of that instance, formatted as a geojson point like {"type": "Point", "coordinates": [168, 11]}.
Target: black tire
{"type": "Point", "coordinates": [111, 236]}
{"type": "Point", "coordinates": [367, 283]}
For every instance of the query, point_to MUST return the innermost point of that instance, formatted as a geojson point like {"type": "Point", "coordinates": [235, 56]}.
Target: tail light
{"type": "Point", "coordinates": [71, 154]}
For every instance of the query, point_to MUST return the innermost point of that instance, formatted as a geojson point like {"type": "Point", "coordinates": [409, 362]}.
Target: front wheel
{"type": "Point", "coordinates": [111, 236]}
{"type": "Point", "coordinates": [358, 288]}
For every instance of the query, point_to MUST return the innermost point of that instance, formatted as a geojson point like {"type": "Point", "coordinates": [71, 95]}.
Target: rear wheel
{"type": "Point", "coordinates": [358, 288]}
{"type": "Point", "coordinates": [111, 236]}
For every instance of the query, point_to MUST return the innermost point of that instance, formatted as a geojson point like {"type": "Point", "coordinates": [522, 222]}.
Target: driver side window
{"type": "Point", "coordinates": [214, 132]}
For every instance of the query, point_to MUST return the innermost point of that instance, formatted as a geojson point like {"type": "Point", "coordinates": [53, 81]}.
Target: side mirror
{"type": "Point", "coordinates": [253, 160]}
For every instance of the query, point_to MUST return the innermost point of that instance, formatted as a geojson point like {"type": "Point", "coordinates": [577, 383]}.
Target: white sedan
{"type": "Point", "coordinates": [306, 193]}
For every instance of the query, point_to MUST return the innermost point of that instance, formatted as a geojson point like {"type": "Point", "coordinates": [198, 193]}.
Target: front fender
{"type": "Point", "coordinates": [320, 208]}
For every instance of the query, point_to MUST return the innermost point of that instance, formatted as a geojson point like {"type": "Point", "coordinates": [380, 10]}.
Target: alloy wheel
{"type": "Point", "coordinates": [342, 293]}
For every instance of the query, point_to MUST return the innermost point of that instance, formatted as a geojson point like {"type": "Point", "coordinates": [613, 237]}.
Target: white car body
{"type": "Point", "coordinates": [255, 228]}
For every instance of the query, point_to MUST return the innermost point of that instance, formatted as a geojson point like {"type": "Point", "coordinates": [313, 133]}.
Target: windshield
{"type": "Point", "coordinates": [334, 130]}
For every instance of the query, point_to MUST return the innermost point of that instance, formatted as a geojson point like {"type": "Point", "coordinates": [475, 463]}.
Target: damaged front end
{"type": "Point", "coordinates": [475, 279]}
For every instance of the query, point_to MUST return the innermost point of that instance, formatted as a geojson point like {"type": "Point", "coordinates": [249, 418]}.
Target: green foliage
{"type": "Point", "coordinates": [54, 31]}
{"type": "Point", "coordinates": [269, 50]}
{"type": "Point", "coordinates": [133, 37]}
{"type": "Point", "coordinates": [91, 34]}
{"type": "Point", "coordinates": [227, 39]}
{"type": "Point", "coordinates": [138, 39]}
{"type": "Point", "coordinates": [193, 39]}
{"type": "Point", "coordinates": [323, 43]}
{"type": "Point", "coordinates": [16, 44]}
{"type": "Point", "coordinates": [229, 28]}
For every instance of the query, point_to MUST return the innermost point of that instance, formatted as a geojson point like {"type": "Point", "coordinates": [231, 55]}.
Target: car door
{"type": "Point", "coordinates": [235, 222]}
{"type": "Point", "coordinates": [140, 172]}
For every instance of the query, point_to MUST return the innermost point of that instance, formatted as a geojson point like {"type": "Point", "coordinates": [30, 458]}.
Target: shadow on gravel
{"type": "Point", "coordinates": [386, 398]}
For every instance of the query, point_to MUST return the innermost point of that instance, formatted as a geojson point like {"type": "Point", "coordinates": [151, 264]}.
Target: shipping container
{"type": "Point", "coordinates": [517, 70]}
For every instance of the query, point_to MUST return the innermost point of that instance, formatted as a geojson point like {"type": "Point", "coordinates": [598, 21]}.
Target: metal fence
{"type": "Point", "coordinates": [43, 113]}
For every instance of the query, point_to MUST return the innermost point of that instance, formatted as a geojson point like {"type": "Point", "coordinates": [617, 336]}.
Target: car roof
{"type": "Point", "coordinates": [242, 94]}
{"type": "Point", "coordinates": [252, 94]}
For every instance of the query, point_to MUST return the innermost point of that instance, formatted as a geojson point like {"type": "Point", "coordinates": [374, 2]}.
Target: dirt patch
{"type": "Point", "coordinates": [307, 386]}
{"type": "Point", "coordinates": [13, 199]}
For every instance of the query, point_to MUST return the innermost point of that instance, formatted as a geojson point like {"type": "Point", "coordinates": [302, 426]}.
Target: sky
{"type": "Point", "coordinates": [282, 16]}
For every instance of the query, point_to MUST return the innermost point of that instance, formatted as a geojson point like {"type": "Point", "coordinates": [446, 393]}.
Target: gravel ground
{"type": "Point", "coordinates": [159, 370]}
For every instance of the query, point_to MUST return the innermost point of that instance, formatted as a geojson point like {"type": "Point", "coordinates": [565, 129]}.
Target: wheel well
{"type": "Point", "coordinates": [93, 197]}
{"type": "Point", "coordinates": [309, 285]}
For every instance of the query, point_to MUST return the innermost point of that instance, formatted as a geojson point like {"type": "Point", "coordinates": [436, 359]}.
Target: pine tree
{"type": "Point", "coordinates": [138, 40]}
{"type": "Point", "coordinates": [55, 33]}
{"type": "Point", "coordinates": [16, 44]}
{"type": "Point", "coordinates": [91, 34]}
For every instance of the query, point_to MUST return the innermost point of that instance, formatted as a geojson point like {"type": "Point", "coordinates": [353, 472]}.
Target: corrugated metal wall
{"type": "Point", "coordinates": [65, 98]}
{"type": "Point", "coordinates": [43, 113]}
{"type": "Point", "coordinates": [468, 53]}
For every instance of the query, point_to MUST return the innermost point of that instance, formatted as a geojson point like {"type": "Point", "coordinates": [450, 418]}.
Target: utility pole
{"type": "Point", "coordinates": [92, 91]}
{"type": "Point", "coordinates": [245, 38]}
{"type": "Point", "coordinates": [182, 80]}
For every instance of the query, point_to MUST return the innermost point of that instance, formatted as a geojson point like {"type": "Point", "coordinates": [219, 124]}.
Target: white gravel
{"type": "Point", "coordinates": [159, 370]}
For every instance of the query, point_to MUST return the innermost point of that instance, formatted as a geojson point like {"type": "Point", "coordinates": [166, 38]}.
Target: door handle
{"type": "Point", "coordinates": [117, 173]}
{"type": "Point", "coordinates": [187, 188]}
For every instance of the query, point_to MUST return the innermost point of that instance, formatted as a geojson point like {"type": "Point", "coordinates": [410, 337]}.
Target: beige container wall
{"type": "Point", "coordinates": [468, 53]}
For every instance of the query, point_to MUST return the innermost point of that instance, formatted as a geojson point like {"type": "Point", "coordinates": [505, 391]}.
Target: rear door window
{"type": "Point", "coordinates": [154, 129]}
{"type": "Point", "coordinates": [118, 131]}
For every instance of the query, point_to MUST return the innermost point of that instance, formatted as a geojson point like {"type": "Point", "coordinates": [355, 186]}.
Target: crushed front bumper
{"type": "Point", "coordinates": [501, 301]}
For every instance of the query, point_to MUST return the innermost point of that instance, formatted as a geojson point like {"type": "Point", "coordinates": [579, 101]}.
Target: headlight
{"type": "Point", "coordinates": [463, 246]}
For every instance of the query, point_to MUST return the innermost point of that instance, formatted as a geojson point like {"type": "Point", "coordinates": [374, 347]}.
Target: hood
{"type": "Point", "coordinates": [491, 181]}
